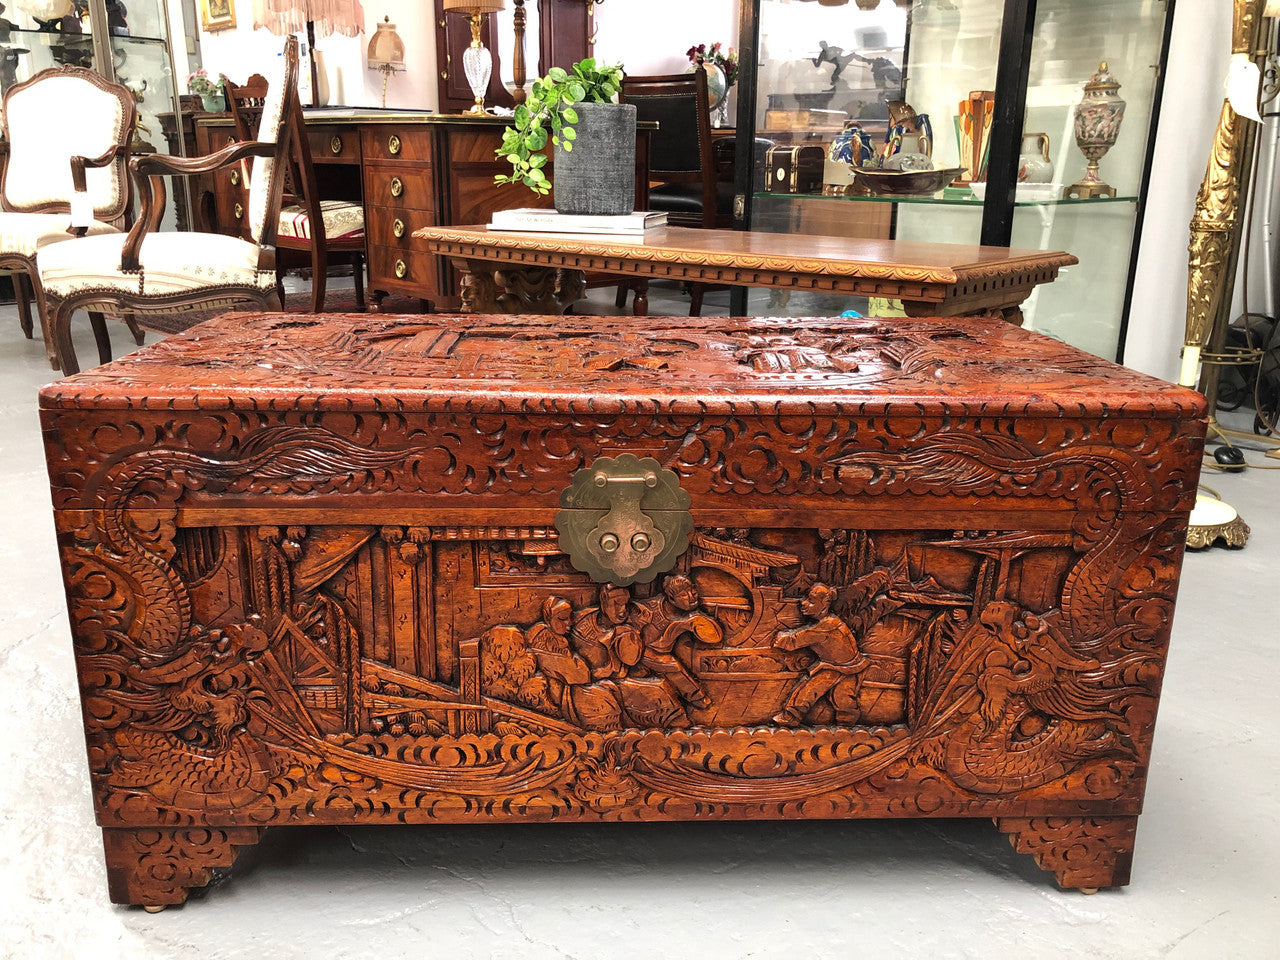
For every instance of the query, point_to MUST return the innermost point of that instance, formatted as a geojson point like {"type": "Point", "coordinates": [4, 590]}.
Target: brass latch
{"type": "Point", "coordinates": [624, 521]}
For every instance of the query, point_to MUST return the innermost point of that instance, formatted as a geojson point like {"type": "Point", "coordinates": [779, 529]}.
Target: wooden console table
{"type": "Point", "coordinates": [540, 273]}
{"type": "Point", "coordinates": [411, 169]}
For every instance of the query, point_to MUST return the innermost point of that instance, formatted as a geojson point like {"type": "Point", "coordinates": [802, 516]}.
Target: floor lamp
{"type": "Point", "coordinates": [1216, 230]}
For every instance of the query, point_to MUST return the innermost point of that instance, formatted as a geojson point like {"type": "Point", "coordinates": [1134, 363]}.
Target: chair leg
{"type": "Point", "coordinates": [22, 297]}
{"type": "Point", "coordinates": [357, 271]}
{"type": "Point", "coordinates": [319, 278]}
{"type": "Point", "coordinates": [61, 323]}
{"type": "Point", "coordinates": [100, 335]}
{"type": "Point", "coordinates": [46, 324]}
{"type": "Point", "coordinates": [131, 321]}
{"type": "Point", "coordinates": [280, 287]}
{"type": "Point", "coordinates": [696, 290]}
{"type": "Point", "coordinates": [620, 298]}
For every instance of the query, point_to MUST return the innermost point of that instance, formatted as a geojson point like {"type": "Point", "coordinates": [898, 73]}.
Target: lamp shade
{"type": "Point", "coordinates": [386, 49]}
{"type": "Point", "coordinates": [283, 17]}
{"type": "Point", "coordinates": [475, 6]}
{"type": "Point", "coordinates": [1271, 9]}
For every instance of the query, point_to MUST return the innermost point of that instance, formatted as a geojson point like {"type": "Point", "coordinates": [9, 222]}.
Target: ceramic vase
{"type": "Point", "coordinates": [598, 176]}
{"type": "Point", "coordinates": [1098, 118]}
{"type": "Point", "coordinates": [1034, 165]}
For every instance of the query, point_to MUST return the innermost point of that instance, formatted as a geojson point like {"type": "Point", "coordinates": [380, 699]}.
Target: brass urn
{"type": "Point", "coordinates": [1098, 118]}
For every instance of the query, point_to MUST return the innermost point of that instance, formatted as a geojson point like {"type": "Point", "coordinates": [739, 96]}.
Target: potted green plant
{"type": "Point", "coordinates": [593, 140]}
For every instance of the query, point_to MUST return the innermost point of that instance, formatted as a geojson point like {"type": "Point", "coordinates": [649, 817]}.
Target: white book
{"type": "Point", "coordinates": [534, 220]}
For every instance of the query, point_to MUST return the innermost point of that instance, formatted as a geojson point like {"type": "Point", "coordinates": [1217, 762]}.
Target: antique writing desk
{"type": "Point", "coordinates": [365, 569]}
{"type": "Point", "coordinates": [411, 169]}
{"type": "Point", "coordinates": [511, 272]}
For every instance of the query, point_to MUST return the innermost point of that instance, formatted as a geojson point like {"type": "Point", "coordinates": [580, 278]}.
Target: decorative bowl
{"type": "Point", "coordinates": [904, 183]}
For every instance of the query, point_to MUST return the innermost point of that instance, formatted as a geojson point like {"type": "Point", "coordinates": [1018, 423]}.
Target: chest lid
{"type": "Point", "coordinates": [608, 365]}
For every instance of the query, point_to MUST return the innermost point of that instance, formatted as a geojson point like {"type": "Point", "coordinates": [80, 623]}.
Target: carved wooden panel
{"type": "Point", "coordinates": [313, 578]}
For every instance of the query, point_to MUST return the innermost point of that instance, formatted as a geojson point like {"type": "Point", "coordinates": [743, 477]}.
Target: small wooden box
{"type": "Point", "coordinates": [318, 571]}
{"type": "Point", "coordinates": [795, 168]}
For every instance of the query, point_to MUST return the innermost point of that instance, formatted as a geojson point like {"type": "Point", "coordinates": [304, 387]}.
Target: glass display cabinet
{"type": "Point", "coordinates": [996, 85]}
{"type": "Point", "coordinates": [132, 48]}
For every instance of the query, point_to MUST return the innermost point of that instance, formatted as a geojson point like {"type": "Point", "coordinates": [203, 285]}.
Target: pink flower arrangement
{"type": "Point", "coordinates": [726, 60]}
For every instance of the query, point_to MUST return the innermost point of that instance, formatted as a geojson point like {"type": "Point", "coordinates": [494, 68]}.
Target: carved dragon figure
{"type": "Point", "coordinates": [1028, 707]}
{"type": "Point", "coordinates": [177, 693]}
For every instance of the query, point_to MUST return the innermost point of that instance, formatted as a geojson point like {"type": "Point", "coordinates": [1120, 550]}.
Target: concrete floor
{"type": "Point", "coordinates": [1205, 878]}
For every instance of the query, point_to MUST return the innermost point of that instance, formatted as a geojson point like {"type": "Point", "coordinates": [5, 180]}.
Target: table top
{"type": "Point", "coordinates": [944, 263]}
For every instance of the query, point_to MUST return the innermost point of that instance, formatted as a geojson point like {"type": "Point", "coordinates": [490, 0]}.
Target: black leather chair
{"type": "Point", "coordinates": [682, 162]}
{"type": "Point", "coordinates": [681, 155]}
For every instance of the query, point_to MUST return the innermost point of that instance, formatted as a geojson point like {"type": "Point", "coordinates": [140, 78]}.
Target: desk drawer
{"type": "Point", "coordinates": [398, 185]}
{"type": "Point", "coordinates": [395, 268]}
{"type": "Point", "coordinates": [334, 144]}
{"type": "Point", "coordinates": [394, 226]}
{"type": "Point", "coordinates": [397, 143]}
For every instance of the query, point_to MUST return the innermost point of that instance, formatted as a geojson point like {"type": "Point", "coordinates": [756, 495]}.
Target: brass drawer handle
{"type": "Point", "coordinates": [393, 145]}
{"type": "Point", "coordinates": [335, 145]}
{"type": "Point", "coordinates": [239, 211]}
{"type": "Point", "coordinates": [397, 186]}
{"type": "Point", "coordinates": [235, 178]}
{"type": "Point", "coordinates": [398, 228]}
{"type": "Point", "coordinates": [401, 269]}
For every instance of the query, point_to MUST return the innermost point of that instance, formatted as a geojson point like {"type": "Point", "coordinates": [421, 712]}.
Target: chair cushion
{"type": "Point", "coordinates": [343, 220]}
{"type": "Point", "coordinates": [171, 263]}
{"type": "Point", "coordinates": [687, 198]}
{"type": "Point", "coordinates": [22, 234]}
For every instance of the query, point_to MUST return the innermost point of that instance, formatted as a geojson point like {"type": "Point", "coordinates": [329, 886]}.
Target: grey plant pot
{"type": "Point", "coordinates": [598, 176]}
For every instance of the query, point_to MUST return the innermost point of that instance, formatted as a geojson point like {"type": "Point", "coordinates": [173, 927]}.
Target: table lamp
{"type": "Point", "coordinates": [386, 53]}
{"type": "Point", "coordinates": [477, 62]}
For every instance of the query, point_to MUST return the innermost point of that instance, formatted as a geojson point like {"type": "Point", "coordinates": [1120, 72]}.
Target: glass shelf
{"type": "Point", "coordinates": [938, 201]}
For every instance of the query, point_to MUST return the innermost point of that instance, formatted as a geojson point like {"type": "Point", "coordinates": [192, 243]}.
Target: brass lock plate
{"type": "Point", "coordinates": [624, 520]}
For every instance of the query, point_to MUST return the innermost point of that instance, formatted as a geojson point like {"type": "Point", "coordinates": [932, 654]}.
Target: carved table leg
{"type": "Point", "coordinates": [511, 288]}
{"type": "Point", "coordinates": [159, 866]}
{"type": "Point", "coordinates": [640, 308]}
{"type": "Point", "coordinates": [1082, 852]}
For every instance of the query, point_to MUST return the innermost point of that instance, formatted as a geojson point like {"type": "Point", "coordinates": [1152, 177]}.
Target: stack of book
{"type": "Point", "coordinates": [534, 220]}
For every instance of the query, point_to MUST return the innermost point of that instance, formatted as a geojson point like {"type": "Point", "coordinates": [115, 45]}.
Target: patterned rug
{"type": "Point", "coordinates": [340, 300]}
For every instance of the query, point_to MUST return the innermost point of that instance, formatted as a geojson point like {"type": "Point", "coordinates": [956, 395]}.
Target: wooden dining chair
{"type": "Point", "coordinates": [327, 231]}
{"type": "Point", "coordinates": [147, 271]}
{"type": "Point", "coordinates": [60, 113]}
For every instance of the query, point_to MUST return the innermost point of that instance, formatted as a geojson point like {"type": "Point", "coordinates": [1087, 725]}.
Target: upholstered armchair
{"type": "Point", "coordinates": [147, 271]}
{"type": "Point", "coordinates": [58, 114]}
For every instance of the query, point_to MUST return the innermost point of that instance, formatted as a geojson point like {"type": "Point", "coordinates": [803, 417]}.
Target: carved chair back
{"type": "Point", "coordinates": [680, 150]}
{"type": "Point", "coordinates": [280, 111]}
{"type": "Point", "coordinates": [57, 114]}
{"type": "Point", "coordinates": [299, 187]}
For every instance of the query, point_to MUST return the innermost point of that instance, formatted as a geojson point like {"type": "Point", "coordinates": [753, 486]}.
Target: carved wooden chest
{"type": "Point", "coordinates": [415, 570]}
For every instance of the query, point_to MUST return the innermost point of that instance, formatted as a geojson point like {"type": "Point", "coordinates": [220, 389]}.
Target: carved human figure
{"type": "Point", "coordinates": [549, 641]}
{"type": "Point", "coordinates": [606, 636]}
{"type": "Point", "coordinates": [601, 692]}
{"type": "Point", "coordinates": [837, 674]}
{"type": "Point", "coordinates": [671, 616]}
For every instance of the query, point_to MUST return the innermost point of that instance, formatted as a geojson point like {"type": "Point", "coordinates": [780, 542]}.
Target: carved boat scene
{"type": "Point", "coordinates": [943, 643]}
